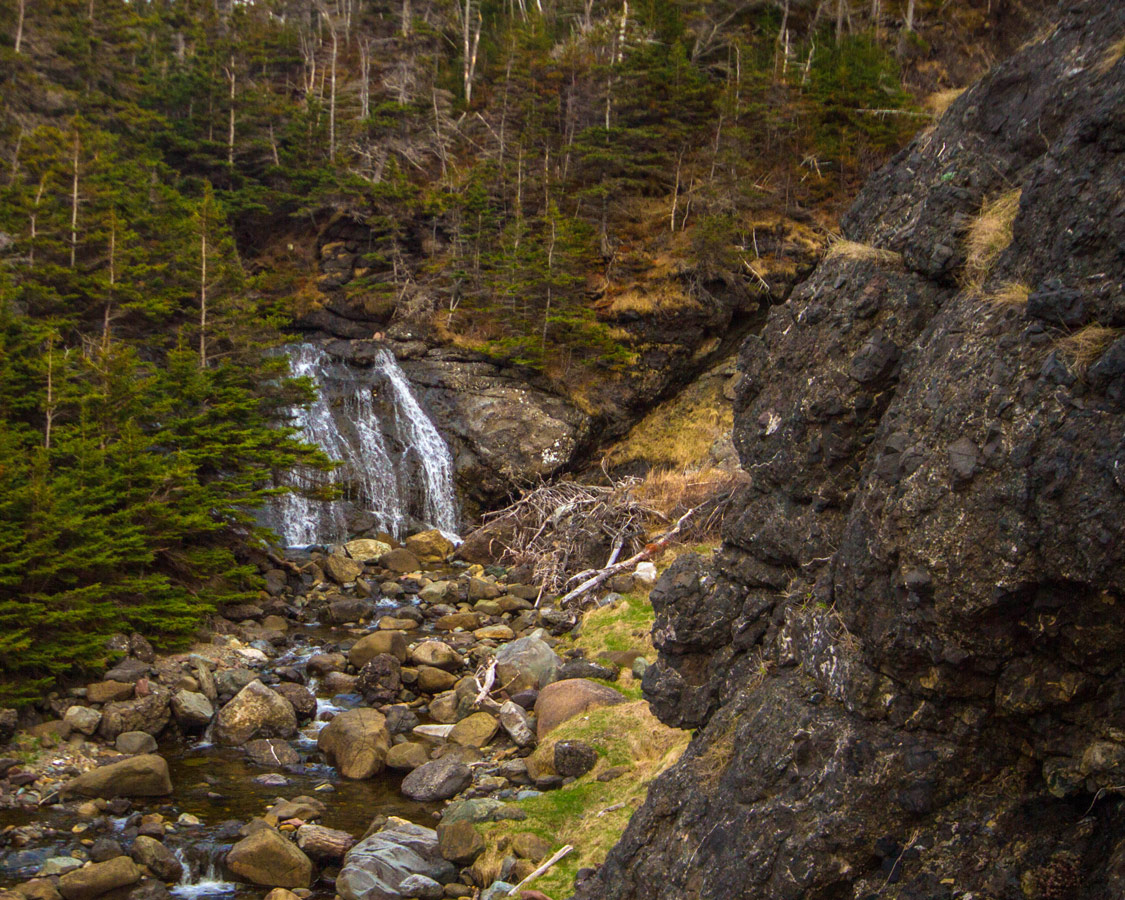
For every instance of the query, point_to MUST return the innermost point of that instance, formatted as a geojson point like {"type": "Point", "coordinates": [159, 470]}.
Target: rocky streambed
{"type": "Point", "coordinates": [343, 736]}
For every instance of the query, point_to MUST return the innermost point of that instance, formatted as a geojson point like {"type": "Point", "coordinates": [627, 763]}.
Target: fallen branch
{"type": "Point", "coordinates": [543, 868]}
{"type": "Point", "coordinates": [484, 688]}
{"type": "Point", "coordinates": [658, 545]}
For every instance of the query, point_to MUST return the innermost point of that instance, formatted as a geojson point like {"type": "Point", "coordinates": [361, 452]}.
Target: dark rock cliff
{"type": "Point", "coordinates": [905, 665]}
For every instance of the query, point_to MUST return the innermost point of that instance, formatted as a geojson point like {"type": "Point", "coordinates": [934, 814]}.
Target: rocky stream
{"type": "Point", "coordinates": [337, 738]}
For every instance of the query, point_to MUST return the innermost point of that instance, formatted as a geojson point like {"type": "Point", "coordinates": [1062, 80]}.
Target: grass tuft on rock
{"type": "Point", "coordinates": [1011, 293]}
{"type": "Point", "coordinates": [1085, 347]}
{"type": "Point", "coordinates": [989, 235]}
{"type": "Point", "coordinates": [851, 250]}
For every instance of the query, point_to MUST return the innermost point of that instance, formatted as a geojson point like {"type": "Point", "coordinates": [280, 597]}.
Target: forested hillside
{"type": "Point", "coordinates": [527, 177]}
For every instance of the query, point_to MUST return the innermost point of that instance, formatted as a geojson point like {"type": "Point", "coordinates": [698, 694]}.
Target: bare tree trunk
{"type": "Point", "coordinates": [49, 409]}
{"type": "Point", "coordinates": [364, 79]}
{"type": "Point", "coordinates": [676, 187]}
{"type": "Point", "coordinates": [406, 18]}
{"type": "Point", "coordinates": [21, 10]}
{"type": "Point", "coordinates": [907, 27]}
{"type": "Point", "coordinates": [112, 277]}
{"type": "Point", "coordinates": [203, 294]}
{"type": "Point", "coordinates": [332, 98]}
{"type": "Point", "coordinates": [471, 44]}
{"type": "Point", "coordinates": [34, 218]}
{"type": "Point", "coordinates": [231, 75]}
{"type": "Point", "coordinates": [839, 21]}
{"type": "Point", "coordinates": [782, 41]}
{"type": "Point", "coordinates": [550, 284]}
{"type": "Point", "coordinates": [74, 202]}
{"type": "Point", "coordinates": [273, 147]}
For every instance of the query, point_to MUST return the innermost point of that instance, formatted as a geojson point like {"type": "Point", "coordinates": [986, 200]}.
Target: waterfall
{"type": "Point", "coordinates": [395, 465]}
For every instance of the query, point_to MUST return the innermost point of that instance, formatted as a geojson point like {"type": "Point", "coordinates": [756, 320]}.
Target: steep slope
{"type": "Point", "coordinates": [906, 663]}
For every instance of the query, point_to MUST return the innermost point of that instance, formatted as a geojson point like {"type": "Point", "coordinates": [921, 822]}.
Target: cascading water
{"type": "Point", "coordinates": [395, 465]}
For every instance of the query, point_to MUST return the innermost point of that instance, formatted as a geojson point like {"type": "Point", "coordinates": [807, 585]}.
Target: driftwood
{"type": "Point", "coordinates": [324, 843]}
{"type": "Point", "coordinates": [543, 868]}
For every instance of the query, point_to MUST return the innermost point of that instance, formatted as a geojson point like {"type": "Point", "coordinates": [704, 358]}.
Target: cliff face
{"type": "Point", "coordinates": [906, 663]}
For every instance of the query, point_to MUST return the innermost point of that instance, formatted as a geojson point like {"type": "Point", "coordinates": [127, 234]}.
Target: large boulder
{"type": "Point", "coordinates": [255, 711]}
{"type": "Point", "coordinates": [137, 776]}
{"type": "Point", "coordinates": [437, 654]}
{"type": "Point", "coordinates": [375, 868]}
{"type": "Point", "coordinates": [341, 569]}
{"type": "Point", "coordinates": [401, 561]}
{"type": "Point", "coordinates": [438, 779]}
{"type": "Point", "coordinates": [562, 700]}
{"type": "Point", "coordinates": [265, 857]}
{"type": "Point", "coordinates": [300, 698]}
{"type": "Point", "coordinates": [380, 679]}
{"type": "Point", "coordinates": [99, 878]}
{"type": "Point", "coordinates": [378, 642]}
{"type": "Point", "coordinates": [157, 858]}
{"type": "Point", "coordinates": [82, 719]}
{"type": "Point", "coordinates": [475, 730]}
{"type": "Point", "coordinates": [365, 550]}
{"type": "Point", "coordinates": [526, 663]}
{"type": "Point", "coordinates": [356, 742]}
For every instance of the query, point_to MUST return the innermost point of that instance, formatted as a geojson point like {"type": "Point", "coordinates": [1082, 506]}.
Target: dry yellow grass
{"type": "Point", "coordinates": [989, 236]}
{"type": "Point", "coordinates": [844, 249]}
{"type": "Point", "coordinates": [938, 102]}
{"type": "Point", "coordinates": [674, 491]}
{"type": "Point", "coordinates": [1085, 347]}
{"type": "Point", "coordinates": [1011, 293]}
{"type": "Point", "coordinates": [1112, 56]}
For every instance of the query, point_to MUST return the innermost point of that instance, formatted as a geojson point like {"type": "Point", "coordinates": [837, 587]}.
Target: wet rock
{"type": "Point", "coordinates": [267, 858]}
{"type": "Point", "coordinates": [40, 888]}
{"type": "Point", "coordinates": [573, 759]}
{"type": "Point", "coordinates": [380, 679]}
{"type": "Point", "coordinates": [526, 663]}
{"type": "Point", "coordinates": [434, 681]}
{"type": "Point", "coordinates": [375, 868]}
{"type": "Point", "coordinates": [59, 865]}
{"type": "Point", "coordinates": [356, 743]}
{"type": "Point", "coordinates": [105, 848]}
{"type": "Point", "coordinates": [193, 711]}
{"type": "Point", "coordinates": [135, 742]}
{"type": "Point", "coordinates": [137, 776]}
{"type": "Point", "coordinates": [300, 698]}
{"type": "Point", "coordinates": [465, 621]}
{"type": "Point", "coordinates": [158, 858]}
{"type": "Point", "coordinates": [301, 807]}
{"type": "Point", "coordinates": [271, 752]}
{"type": "Point", "coordinates": [435, 592]}
{"type": "Point", "coordinates": [401, 719]}
{"type": "Point", "coordinates": [375, 644]}
{"type": "Point", "coordinates": [323, 663]}
{"type": "Point", "coordinates": [475, 730]}
{"type": "Point", "coordinates": [99, 878]}
{"type": "Point", "coordinates": [563, 700]}
{"type": "Point", "coordinates": [347, 610]}
{"type": "Point", "coordinates": [255, 711]}
{"type": "Point", "coordinates": [229, 682]}
{"type": "Point", "coordinates": [438, 779]}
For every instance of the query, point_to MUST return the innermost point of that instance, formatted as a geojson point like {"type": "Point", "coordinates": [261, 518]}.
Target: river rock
{"type": "Point", "coordinates": [437, 654]}
{"type": "Point", "coordinates": [324, 843]}
{"type": "Point", "coordinates": [375, 868]}
{"type": "Point", "coordinates": [526, 663]}
{"type": "Point", "coordinates": [516, 722]}
{"type": "Point", "coordinates": [366, 550]}
{"type": "Point", "coordinates": [193, 711]}
{"type": "Point", "coordinates": [435, 592]}
{"type": "Point", "coordinates": [323, 663]}
{"type": "Point", "coordinates": [135, 742]}
{"type": "Point", "coordinates": [255, 711]}
{"type": "Point", "coordinates": [267, 858]}
{"type": "Point", "coordinates": [494, 633]}
{"type": "Point", "coordinates": [586, 668]}
{"type": "Point", "coordinates": [434, 681]}
{"type": "Point", "coordinates": [400, 719]}
{"type": "Point", "coordinates": [341, 569]}
{"type": "Point", "coordinates": [82, 719]}
{"type": "Point", "coordinates": [129, 670]}
{"type": "Point", "coordinates": [281, 894]}
{"type": "Point", "coordinates": [481, 809]}
{"type": "Point", "coordinates": [230, 681]}
{"type": "Point", "coordinates": [109, 691]}
{"type": "Point", "coordinates": [302, 807]}
{"type": "Point", "coordinates": [347, 610]}
{"type": "Point", "coordinates": [430, 546]}
{"type": "Point", "coordinates": [380, 679]}
{"type": "Point", "coordinates": [271, 752]}
{"type": "Point", "coordinates": [99, 878]}
{"type": "Point", "coordinates": [465, 621]}
{"type": "Point", "coordinates": [475, 730]}
{"type": "Point", "coordinates": [148, 714]}
{"type": "Point", "coordinates": [137, 776]}
{"type": "Point", "coordinates": [438, 779]}
{"type": "Point", "coordinates": [407, 756]}
{"type": "Point", "coordinates": [158, 858]}
{"type": "Point", "coordinates": [371, 645]}
{"type": "Point", "coordinates": [300, 698]}
{"type": "Point", "coordinates": [401, 560]}
{"type": "Point", "coordinates": [460, 843]}
{"type": "Point", "coordinates": [562, 700]}
{"type": "Point", "coordinates": [421, 887]}
{"type": "Point", "coordinates": [356, 743]}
